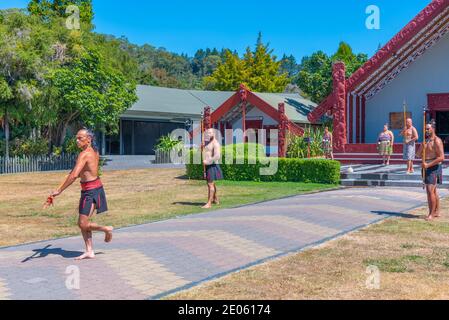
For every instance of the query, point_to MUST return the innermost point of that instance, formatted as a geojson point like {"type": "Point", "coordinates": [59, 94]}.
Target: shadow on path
{"type": "Point", "coordinates": [396, 214]}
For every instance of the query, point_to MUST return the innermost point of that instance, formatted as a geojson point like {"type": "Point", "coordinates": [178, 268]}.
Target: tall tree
{"type": "Point", "coordinates": [315, 77]}
{"type": "Point", "coordinates": [91, 93]}
{"type": "Point", "coordinates": [259, 70]}
{"type": "Point", "coordinates": [228, 75]}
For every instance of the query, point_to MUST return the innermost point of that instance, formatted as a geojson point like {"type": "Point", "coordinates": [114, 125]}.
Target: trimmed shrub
{"type": "Point", "coordinates": [289, 170]}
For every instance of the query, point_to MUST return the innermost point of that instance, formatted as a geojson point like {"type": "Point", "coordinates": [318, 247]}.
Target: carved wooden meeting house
{"type": "Point", "coordinates": [412, 68]}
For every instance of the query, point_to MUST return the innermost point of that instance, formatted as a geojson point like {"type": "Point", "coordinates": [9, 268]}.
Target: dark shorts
{"type": "Point", "coordinates": [434, 175]}
{"type": "Point", "coordinates": [95, 197]}
{"type": "Point", "coordinates": [213, 173]}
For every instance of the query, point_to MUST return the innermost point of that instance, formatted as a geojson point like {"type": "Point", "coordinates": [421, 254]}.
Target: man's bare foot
{"type": "Point", "coordinates": [108, 234]}
{"type": "Point", "coordinates": [86, 256]}
{"type": "Point", "coordinates": [207, 206]}
{"type": "Point", "coordinates": [430, 218]}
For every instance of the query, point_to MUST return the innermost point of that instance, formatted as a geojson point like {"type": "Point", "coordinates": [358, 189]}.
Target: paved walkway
{"type": "Point", "coordinates": [153, 260]}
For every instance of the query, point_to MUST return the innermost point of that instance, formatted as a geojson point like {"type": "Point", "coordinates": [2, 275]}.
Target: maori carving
{"type": "Point", "coordinates": [207, 118]}
{"type": "Point", "coordinates": [419, 22]}
{"type": "Point", "coordinates": [339, 107]}
{"type": "Point", "coordinates": [283, 125]}
{"type": "Point", "coordinates": [321, 110]}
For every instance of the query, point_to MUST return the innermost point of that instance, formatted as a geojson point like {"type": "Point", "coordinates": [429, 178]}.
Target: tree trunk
{"type": "Point", "coordinates": [63, 133]}
{"type": "Point", "coordinates": [6, 124]}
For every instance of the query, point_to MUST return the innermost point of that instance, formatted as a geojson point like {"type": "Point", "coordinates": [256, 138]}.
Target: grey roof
{"type": "Point", "coordinates": [189, 103]}
{"type": "Point", "coordinates": [296, 107]}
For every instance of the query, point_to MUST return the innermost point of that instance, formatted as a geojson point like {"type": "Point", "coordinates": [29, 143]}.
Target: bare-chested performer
{"type": "Point", "coordinates": [411, 136]}
{"type": "Point", "coordinates": [433, 167]}
{"type": "Point", "coordinates": [212, 156]}
{"type": "Point", "coordinates": [93, 197]}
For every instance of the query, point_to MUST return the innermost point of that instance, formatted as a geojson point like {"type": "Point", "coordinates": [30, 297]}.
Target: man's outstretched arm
{"type": "Point", "coordinates": [71, 178]}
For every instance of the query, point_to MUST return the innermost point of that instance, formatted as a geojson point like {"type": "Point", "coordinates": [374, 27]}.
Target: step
{"type": "Point", "coordinates": [386, 183]}
{"type": "Point", "coordinates": [384, 176]}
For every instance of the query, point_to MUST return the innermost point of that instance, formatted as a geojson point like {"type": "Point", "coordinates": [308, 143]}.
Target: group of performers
{"type": "Point", "coordinates": [93, 197]}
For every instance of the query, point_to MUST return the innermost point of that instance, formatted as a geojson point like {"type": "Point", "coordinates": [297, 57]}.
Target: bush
{"type": "Point", "coordinates": [298, 148]}
{"type": "Point", "coordinates": [70, 146]}
{"type": "Point", "coordinates": [167, 144]}
{"type": "Point", "coordinates": [26, 147]}
{"type": "Point", "coordinates": [289, 170]}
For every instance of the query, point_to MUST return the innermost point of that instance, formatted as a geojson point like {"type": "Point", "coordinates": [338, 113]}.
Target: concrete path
{"type": "Point", "coordinates": [153, 260]}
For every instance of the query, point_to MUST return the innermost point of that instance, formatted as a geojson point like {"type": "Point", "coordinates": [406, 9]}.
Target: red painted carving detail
{"type": "Point", "coordinates": [406, 34]}
{"type": "Point", "coordinates": [339, 106]}
{"type": "Point", "coordinates": [207, 118]}
{"type": "Point", "coordinates": [283, 126]}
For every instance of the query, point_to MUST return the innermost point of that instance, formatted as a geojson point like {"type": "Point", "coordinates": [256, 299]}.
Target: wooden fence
{"type": "Point", "coordinates": [37, 163]}
{"type": "Point", "coordinates": [164, 157]}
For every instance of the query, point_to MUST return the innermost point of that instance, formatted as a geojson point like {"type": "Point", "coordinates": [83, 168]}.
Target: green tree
{"type": "Point", "coordinates": [258, 70]}
{"type": "Point", "coordinates": [228, 75]}
{"type": "Point", "coordinates": [315, 77]}
{"type": "Point", "coordinates": [91, 93]}
{"type": "Point", "coordinates": [24, 58]}
{"type": "Point", "coordinates": [48, 9]}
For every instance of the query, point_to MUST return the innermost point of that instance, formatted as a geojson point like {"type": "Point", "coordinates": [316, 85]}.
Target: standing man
{"type": "Point", "coordinates": [212, 156]}
{"type": "Point", "coordinates": [433, 166]}
{"type": "Point", "coordinates": [410, 135]}
{"type": "Point", "coordinates": [93, 197]}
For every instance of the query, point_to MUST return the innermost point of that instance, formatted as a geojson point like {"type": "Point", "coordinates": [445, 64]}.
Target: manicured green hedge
{"type": "Point", "coordinates": [289, 170]}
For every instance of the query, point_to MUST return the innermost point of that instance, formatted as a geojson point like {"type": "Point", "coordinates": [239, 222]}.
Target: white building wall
{"type": "Point", "coordinates": [429, 74]}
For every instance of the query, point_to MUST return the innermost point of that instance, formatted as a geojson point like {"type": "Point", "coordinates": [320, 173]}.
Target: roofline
{"type": "Point", "coordinates": [407, 33]}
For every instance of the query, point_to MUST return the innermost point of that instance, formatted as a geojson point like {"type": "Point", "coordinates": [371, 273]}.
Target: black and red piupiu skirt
{"type": "Point", "coordinates": [92, 194]}
{"type": "Point", "coordinates": [214, 173]}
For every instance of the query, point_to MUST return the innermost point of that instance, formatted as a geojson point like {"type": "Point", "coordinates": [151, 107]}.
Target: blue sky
{"type": "Point", "coordinates": [291, 26]}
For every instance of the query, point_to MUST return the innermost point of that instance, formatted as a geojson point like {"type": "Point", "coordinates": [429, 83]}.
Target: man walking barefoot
{"type": "Point", "coordinates": [93, 197]}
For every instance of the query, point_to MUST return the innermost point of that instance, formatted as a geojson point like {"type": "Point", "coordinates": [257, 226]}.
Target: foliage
{"type": "Point", "coordinates": [48, 9]}
{"type": "Point", "coordinates": [167, 144]}
{"type": "Point", "coordinates": [26, 147]}
{"type": "Point", "coordinates": [258, 70]}
{"type": "Point", "coordinates": [289, 170]}
{"type": "Point", "coordinates": [97, 95]}
{"type": "Point", "coordinates": [315, 77]}
{"type": "Point", "coordinates": [298, 148]}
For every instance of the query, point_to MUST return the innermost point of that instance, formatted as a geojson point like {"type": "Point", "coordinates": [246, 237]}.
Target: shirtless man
{"type": "Point", "coordinates": [211, 156]}
{"type": "Point", "coordinates": [93, 197]}
{"type": "Point", "coordinates": [434, 170]}
{"type": "Point", "coordinates": [411, 136]}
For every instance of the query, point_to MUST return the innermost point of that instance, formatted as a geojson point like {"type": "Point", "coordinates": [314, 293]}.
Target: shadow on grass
{"type": "Point", "coordinates": [397, 214]}
{"type": "Point", "coordinates": [195, 204]}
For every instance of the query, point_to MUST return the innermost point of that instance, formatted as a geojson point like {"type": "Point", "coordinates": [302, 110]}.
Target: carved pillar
{"type": "Point", "coordinates": [207, 118]}
{"type": "Point", "coordinates": [339, 107]}
{"type": "Point", "coordinates": [243, 103]}
{"type": "Point", "coordinates": [283, 123]}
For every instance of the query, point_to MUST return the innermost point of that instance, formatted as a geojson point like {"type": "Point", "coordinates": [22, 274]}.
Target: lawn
{"type": "Point", "coordinates": [134, 197]}
{"type": "Point", "coordinates": [411, 255]}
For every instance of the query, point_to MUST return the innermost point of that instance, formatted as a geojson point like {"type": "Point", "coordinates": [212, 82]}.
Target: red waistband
{"type": "Point", "coordinates": [91, 185]}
